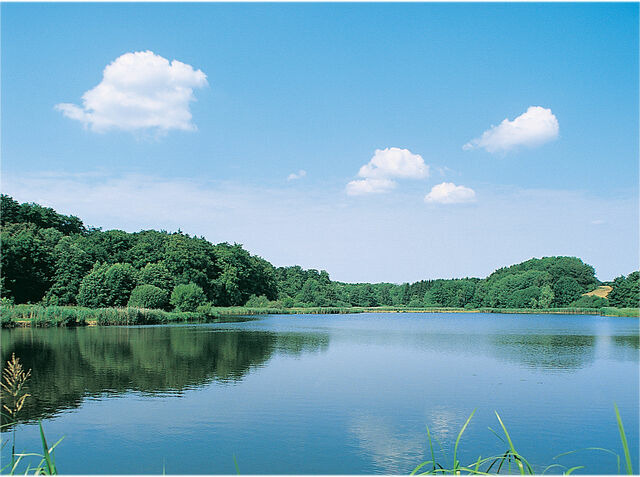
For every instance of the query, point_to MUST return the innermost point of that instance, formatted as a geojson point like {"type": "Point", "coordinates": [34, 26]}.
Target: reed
{"type": "Point", "coordinates": [623, 312]}
{"type": "Point", "coordinates": [68, 316]}
{"type": "Point", "coordinates": [14, 394]}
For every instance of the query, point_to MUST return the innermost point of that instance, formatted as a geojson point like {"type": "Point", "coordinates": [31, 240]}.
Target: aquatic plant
{"type": "Point", "coordinates": [511, 457]}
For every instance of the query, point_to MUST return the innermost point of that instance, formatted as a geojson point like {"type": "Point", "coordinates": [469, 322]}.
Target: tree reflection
{"type": "Point", "coordinates": [69, 365]}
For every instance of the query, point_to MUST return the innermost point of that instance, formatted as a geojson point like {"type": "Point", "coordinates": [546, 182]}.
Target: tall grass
{"type": "Point", "coordinates": [44, 316]}
{"type": "Point", "coordinates": [629, 312]}
{"type": "Point", "coordinates": [13, 394]}
{"type": "Point", "coordinates": [243, 310]}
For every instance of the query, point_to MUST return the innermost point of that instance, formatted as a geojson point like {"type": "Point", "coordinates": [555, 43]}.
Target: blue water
{"type": "Point", "coordinates": [330, 394]}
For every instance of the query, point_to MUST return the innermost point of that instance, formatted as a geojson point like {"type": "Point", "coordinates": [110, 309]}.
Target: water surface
{"type": "Point", "coordinates": [328, 394]}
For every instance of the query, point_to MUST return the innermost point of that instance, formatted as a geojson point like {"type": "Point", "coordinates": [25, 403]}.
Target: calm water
{"type": "Point", "coordinates": [328, 394]}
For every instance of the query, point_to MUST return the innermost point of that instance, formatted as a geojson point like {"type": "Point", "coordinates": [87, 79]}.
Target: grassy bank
{"type": "Point", "coordinates": [241, 310]}
{"type": "Point", "coordinates": [43, 316]}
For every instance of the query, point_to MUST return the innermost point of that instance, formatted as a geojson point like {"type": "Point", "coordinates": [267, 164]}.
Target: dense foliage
{"type": "Point", "coordinates": [148, 296]}
{"type": "Point", "coordinates": [54, 259]}
{"type": "Point", "coordinates": [626, 291]}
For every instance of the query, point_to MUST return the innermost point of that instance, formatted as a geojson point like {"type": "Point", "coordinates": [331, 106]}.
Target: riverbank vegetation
{"type": "Point", "coordinates": [113, 277]}
{"type": "Point", "coordinates": [47, 316]}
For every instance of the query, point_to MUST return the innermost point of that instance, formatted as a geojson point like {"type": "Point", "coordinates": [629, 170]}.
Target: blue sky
{"type": "Point", "coordinates": [320, 88]}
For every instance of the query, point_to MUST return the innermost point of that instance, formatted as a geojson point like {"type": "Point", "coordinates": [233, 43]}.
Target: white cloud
{"type": "Point", "coordinates": [532, 128]}
{"type": "Point", "coordinates": [385, 165]}
{"type": "Point", "coordinates": [394, 162]}
{"type": "Point", "coordinates": [370, 186]}
{"type": "Point", "coordinates": [449, 193]}
{"type": "Point", "coordinates": [139, 91]}
{"type": "Point", "coordinates": [299, 175]}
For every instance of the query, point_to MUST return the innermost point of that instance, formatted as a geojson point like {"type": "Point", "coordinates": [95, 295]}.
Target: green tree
{"type": "Point", "coordinates": [107, 285]}
{"type": "Point", "coordinates": [120, 280]}
{"type": "Point", "coordinates": [41, 217]}
{"type": "Point", "coordinates": [546, 297]}
{"type": "Point", "coordinates": [27, 261]}
{"type": "Point", "coordinates": [149, 296]}
{"type": "Point", "coordinates": [187, 297]}
{"type": "Point", "coordinates": [566, 290]}
{"type": "Point", "coordinates": [148, 246]}
{"type": "Point", "coordinates": [626, 291]}
{"type": "Point", "coordinates": [72, 263]}
{"type": "Point", "coordinates": [156, 274]}
{"type": "Point", "coordinates": [92, 291]}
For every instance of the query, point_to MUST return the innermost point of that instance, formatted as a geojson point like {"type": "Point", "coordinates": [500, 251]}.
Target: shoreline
{"type": "Point", "coordinates": [70, 316]}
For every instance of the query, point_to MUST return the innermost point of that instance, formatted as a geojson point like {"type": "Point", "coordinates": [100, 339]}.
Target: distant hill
{"type": "Point", "coordinates": [55, 259]}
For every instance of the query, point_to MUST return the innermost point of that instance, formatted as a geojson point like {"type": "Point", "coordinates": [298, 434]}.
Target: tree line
{"type": "Point", "coordinates": [55, 259]}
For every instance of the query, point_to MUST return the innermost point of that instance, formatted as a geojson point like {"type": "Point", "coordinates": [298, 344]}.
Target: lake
{"type": "Point", "coordinates": [329, 394]}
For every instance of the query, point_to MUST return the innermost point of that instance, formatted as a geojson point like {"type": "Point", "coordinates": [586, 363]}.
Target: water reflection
{"type": "Point", "coordinates": [392, 451]}
{"type": "Point", "coordinates": [71, 364]}
{"type": "Point", "coordinates": [548, 352]}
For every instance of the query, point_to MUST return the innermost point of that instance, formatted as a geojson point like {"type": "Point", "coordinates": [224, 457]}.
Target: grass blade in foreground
{"type": "Point", "coordinates": [623, 438]}
{"type": "Point", "coordinates": [456, 464]}
{"type": "Point", "coordinates": [50, 468]}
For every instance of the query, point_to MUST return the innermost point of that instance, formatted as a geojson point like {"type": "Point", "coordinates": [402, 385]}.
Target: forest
{"type": "Point", "coordinates": [54, 259]}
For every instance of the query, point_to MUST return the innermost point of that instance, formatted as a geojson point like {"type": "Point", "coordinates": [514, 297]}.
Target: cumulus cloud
{"type": "Point", "coordinates": [386, 165]}
{"type": "Point", "coordinates": [370, 186]}
{"type": "Point", "coordinates": [394, 162]}
{"type": "Point", "coordinates": [536, 126]}
{"type": "Point", "coordinates": [299, 175]}
{"type": "Point", "coordinates": [449, 193]}
{"type": "Point", "coordinates": [139, 91]}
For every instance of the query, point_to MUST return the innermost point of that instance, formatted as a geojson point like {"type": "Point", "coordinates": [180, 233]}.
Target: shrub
{"type": "Point", "coordinates": [107, 285]}
{"type": "Point", "coordinates": [257, 302]}
{"type": "Point", "coordinates": [187, 297]}
{"type": "Point", "coordinates": [149, 296]}
{"type": "Point", "coordinates": [589, 302]}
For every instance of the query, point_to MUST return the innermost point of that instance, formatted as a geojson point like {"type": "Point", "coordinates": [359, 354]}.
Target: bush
{"type": "Point", "coordinates": [589, 302]}
{"type": "Point", "coordinates": [149, 296]}
{"type": "Point", "coordinates": [257, 302]}
{"type": "Point", "coordinates": [187, 297]}
{"type": "Point", "coordinates": [107, 285]}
